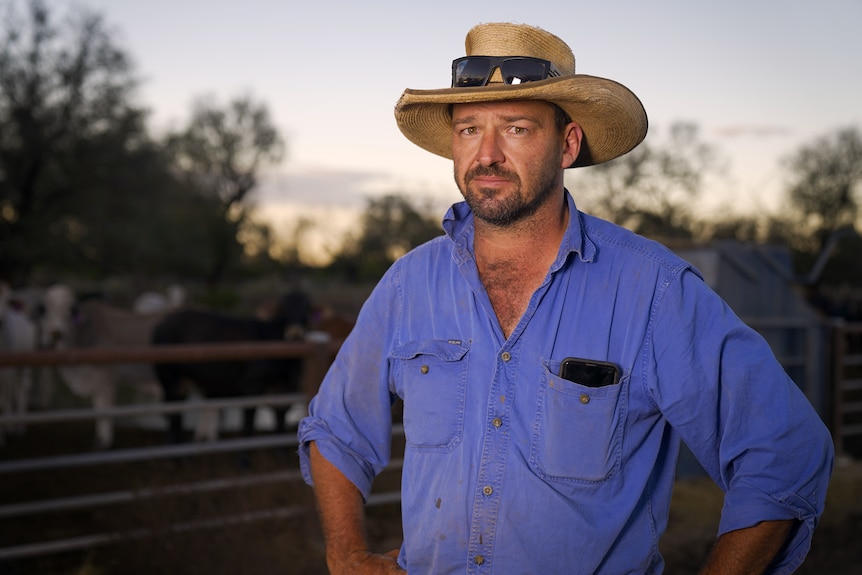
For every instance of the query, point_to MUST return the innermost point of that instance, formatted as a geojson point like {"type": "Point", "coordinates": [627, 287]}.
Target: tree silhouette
{"type": "Point", "coordinates": [650, 190]}
{"type": "Point", "coordinates": [220, 153]}
{"type": "Point", "coordinates": [826, 183]}
{"type": "Point", "coordinates": [65, 99]}
{"type": "Point", "coordinates": [390, 226]}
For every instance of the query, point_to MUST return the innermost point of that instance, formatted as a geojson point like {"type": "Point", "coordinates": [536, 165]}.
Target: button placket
{"type": "Point", "coordinates": [487, 500]}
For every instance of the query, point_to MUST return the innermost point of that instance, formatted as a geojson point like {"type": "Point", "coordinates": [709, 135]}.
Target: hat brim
{"type": "Point", "coordinates": [611, 116]}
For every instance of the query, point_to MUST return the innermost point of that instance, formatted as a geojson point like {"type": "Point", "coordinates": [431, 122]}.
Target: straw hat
{"type": "Point", "coordinates": [611, 116]}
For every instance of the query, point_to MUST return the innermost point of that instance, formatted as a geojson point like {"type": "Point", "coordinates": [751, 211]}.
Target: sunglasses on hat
{"type": "Point", "coordinates": [472, 71]}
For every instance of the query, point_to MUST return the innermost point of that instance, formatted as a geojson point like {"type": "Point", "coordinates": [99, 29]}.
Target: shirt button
{"type": "Point", "coordinates": [497, 422]}
{"type": "Point", "coordinates": [478, 560]}
{"type": "Point", "coordinates": [585, 399]}
{"type": "Point", "coordinates": [487, 490]}
{"type": "Point", "coordinates": [506, 356]}
{"type": "Point", "coordinates": [424, 369]}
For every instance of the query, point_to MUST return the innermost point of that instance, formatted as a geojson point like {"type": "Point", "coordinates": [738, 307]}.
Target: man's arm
{"type": "Point", "coordinates": [747, 551]}
{"type": "Point", "coordinates": [342, 515]}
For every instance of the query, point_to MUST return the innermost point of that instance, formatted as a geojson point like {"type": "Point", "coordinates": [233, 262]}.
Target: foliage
{"type": "Point", "coordinates": [65, 102]}
{"type": "Point", "coordinates": [219, 154]}
{"type": "Point", "coordinates": [85, 189]}
{"type": "Point", "coordinates": [650, 189]}
{"type": "Point", "coordinates": [391, 226]}
{"type": "Point", "coordinates": [222, 149]}
{"type": "Point", "coordinates": [826, 183]}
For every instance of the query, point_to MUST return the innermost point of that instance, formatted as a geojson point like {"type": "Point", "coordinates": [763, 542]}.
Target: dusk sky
{"type": "Point", "coordinates": [759, 77]}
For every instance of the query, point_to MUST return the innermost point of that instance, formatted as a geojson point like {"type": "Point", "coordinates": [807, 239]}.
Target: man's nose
{"type": "Point", "coordinates": [490, 152]}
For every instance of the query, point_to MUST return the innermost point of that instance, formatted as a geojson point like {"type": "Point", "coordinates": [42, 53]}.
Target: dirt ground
{"type": "Point", "coordinates": [291, 543]}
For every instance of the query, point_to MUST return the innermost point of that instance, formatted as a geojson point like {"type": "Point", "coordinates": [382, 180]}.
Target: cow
{"type": "Point", "coordinates": [153, 301]}
{"type": "Point", "coordinates": [221, 379]}
{"type": "Point", "coordinates": [17, 334]}
{"type": "Point", "coordinates": [66, 322]}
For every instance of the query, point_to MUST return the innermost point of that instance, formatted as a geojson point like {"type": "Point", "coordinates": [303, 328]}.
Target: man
{"type": "Point", "coordinates": [549, 362]}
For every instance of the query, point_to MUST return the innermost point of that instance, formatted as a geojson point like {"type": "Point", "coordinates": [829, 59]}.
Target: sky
{"type": "Point", "coordinates": [760, 78]}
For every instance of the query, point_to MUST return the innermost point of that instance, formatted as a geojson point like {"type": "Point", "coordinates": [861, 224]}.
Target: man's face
{"type": "Point", "coordinates": [508, 158]}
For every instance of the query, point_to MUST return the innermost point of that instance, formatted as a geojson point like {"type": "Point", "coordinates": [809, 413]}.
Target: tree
{"type": "Point", "coordinates": [391, 226]}
{"type": "Point", "coordinates": [650, 189]}
{"type": "Point", "coordinates": [825, 184]}
{"type": "Point", "coordinates": [219, 154]}
{"type": "Point", "coordinates": [65, 99]}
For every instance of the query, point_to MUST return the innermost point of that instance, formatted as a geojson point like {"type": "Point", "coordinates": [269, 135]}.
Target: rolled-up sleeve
{"type": "Point", "coordinates": [350, 418]}
{"type": "Point", "coordinates": [719, 385]}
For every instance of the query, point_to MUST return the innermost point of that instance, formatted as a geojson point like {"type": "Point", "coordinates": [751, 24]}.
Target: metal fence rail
{"type": "Point", "coordinates": [316, 356]}
{"type": "Point", "coordinates": [177, 353]}
{"type": "Point", "coordinates": [808, 358]}
{"type": "Point", "coordinates": [146, 453]}
{"type": "Point", "coordinates": [847, 407]}
{"type": "Point", "coordinates": [144, 409]}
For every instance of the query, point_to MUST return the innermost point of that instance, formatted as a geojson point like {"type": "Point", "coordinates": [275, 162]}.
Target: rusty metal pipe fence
{"type": "Point", "coordinates": [317, 356]}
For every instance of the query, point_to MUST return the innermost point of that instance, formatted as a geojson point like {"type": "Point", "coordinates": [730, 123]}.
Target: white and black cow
{"type": "Point", "coordinates": [92, 323]}
{"type": "Point", "coordinates": [289, 321]}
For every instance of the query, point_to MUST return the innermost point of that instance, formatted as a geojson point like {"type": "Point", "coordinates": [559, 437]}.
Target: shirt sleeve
{"type": "Point", "coordinates": [719, 385]}
{"type": "Point", "coordinates": [350, 418]}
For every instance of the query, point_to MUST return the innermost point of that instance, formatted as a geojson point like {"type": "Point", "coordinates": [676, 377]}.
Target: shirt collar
{"type": "Point", "coordinates": [458, 225]}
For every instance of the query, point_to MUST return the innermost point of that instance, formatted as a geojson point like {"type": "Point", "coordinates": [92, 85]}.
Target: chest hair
{"type": "Point", "coordinates": [509, 285]}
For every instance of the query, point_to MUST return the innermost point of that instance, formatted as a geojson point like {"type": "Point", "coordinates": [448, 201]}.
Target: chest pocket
{"type": "Point", "coordinates": [431, 378]}
{"type": "Point", "coordinates": [578, 432]}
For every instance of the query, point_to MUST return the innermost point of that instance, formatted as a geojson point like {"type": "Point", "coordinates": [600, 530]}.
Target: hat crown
{"type": "Point", "coordinates": [506, 39]}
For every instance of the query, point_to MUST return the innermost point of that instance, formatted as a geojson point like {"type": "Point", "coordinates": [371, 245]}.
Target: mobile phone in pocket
{"type": "Point", "coordinates": [590, 373]}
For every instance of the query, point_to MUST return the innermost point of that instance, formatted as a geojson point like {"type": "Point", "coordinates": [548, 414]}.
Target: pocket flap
{"type": "Point", "coordinates": [443, 349]}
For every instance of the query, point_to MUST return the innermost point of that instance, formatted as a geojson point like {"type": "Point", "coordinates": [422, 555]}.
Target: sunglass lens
{"type": "Point", "coordinates": [517, 71]}
{"type": "Point", "coordinates": [472, 71]}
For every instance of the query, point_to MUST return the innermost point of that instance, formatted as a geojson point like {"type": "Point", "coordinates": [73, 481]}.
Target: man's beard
{"type": "Point", "coordinates": [515, 207]}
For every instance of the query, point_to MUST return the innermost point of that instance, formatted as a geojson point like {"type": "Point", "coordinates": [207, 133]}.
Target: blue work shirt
{"type": "Point", "coordinates": [511, 469]}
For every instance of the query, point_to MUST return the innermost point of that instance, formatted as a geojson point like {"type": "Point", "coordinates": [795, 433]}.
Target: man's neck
{"type": "Point", "coordinates": [539, 235]}
{"type": "Point", "coordinates": [514, 261]}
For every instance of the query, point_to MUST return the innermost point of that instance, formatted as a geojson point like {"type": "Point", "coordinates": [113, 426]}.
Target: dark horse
{"type": "Point", "coordinates": [219, 379]}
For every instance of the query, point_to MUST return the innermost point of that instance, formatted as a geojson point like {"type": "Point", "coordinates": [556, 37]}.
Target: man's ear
{"type": "Point", "coordinates": [572, 138]}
